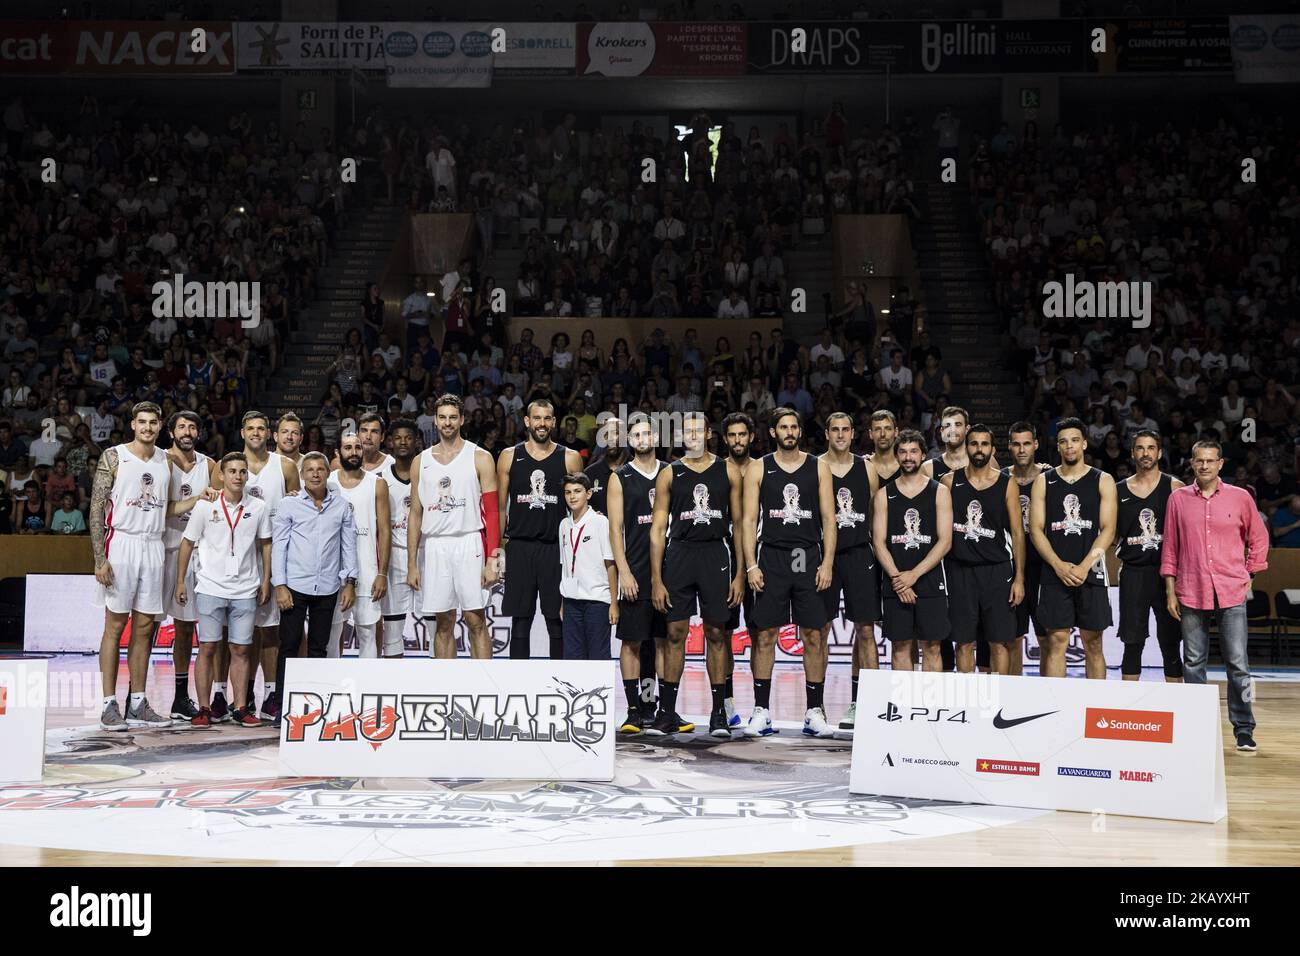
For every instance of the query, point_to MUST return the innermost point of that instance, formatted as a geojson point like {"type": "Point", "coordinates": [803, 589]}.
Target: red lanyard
{"type": "Point", "coordinates": [239, 514]}
{"type": "Point", "coordinates": [575, 544]}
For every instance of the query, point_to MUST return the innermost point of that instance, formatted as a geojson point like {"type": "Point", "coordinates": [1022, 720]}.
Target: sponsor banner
{"type": "Point", "coordinates": [438, 54]}
{"type": "Point", "coordinates": [529, 720]}
{"type": "Point", "coordinates": [1265, 49]}
{"type": "Point", "coordinates": [23, 685]}
{"type": "Point", "coordinates": [310, 46]}
{"type": "Point", "coordinates": [662, 49]}
{"type": "Point", "coordinates": [33, 46]}
{"type": "Point", "coordinates": [1006, 46]}
{"type": "Point", "coordinates": [539, 48]}
{"type": "Point", "coordinates": [1097, 746]}
{"type": "Point", "coordinates": [150, 48]}
{"type": "Point", "coordinates": [1180, 45]}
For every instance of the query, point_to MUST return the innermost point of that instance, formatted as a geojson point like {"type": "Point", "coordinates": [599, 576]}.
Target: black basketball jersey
{"type": "Point", "coordinates": [599, 472]}
{"type": "Point", "coordinates": [536, 506]}
{"type": "Point", "coordinates": [911, 529]}
{"type": "Point", "coordinates": [1031, 553]}
{"type": "Point", "coordinates": [940, 467]}
{"type": "Point", "coordinates": [981, 527]}
{"type": "Point", "coordinates": [852, 507]}
{"type": "Point", "coordinates": [638, 513]}
{"type": "Point", "coordinates": [789, 515]}
{"type": "Point", "coordinates": [898, 470]}
{"type": "Point", "coordinates": [1140, 522]}
{"type": "Point", "coordinates": [699, 502]}
{"type": "Point", "coordinates": [1073, 518]}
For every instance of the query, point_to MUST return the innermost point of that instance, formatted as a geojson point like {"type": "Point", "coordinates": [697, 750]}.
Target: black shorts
{"type": "Point", "coordinates": [698, 571]}
{"type": "Point", "coordinates": [856, 575]}
{"type": "Point", "coordinates": [746, 604]}
{"type": "Point", "coordinates": [532, 571]}
{"type": "Point", "coordinates": [1028, 608]}
{"type": "Point", "coordinates": [639, 619]}
{"type": "Point", "coordinates": [978, 594]}
{"type": "Point", "coordinates": [788, 595]}
{"type": "Point", "coordinates": [1141, 592]}
{"type": "Point", "coordinates": [926, 620]}
{"type": "Point", "coordinates": [1060, 608]}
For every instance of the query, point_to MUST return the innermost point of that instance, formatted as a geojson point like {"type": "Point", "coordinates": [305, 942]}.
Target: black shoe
{"type": "Point", "coordinates": [665, 724]}
{"type": "Point", "coordinates": [1245, 741]}
{"type": "Point", "coordinates": [718, 726]}
{"type": "Point", "coordinates": [184, 709]}
{"type": "Point", "coordinates": [633, 724]}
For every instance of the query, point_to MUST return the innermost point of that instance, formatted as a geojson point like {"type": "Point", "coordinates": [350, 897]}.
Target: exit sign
{"type": "Point", "coordinates": [1029, 97]}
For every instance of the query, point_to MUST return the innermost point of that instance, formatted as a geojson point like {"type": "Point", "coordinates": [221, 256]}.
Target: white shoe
{"type": "Point", "coordinates": [815, 723]}
{"type": "Point", "coordinates": [850, 718]}
{"type": "Point", "coordinates": [733, 719]}
{"type": "Point", "coordinates": [760, 723]}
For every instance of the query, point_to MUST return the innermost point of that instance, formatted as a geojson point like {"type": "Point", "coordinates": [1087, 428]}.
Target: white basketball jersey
{"type": "Point", "coordinates": [385, 462]}
{"type": "Point", "coordinates": [184, 484]}
{"type": "Point", "coordinates": [138, 503]}
{"type": "Point", "coordinates": [362, 500]}
{"type": "Point", "coordinates": [267, 484]}
{"type": "Point", "coordinates": [450, 494]}
{"type": "Point", "coordinates": [399, 508]}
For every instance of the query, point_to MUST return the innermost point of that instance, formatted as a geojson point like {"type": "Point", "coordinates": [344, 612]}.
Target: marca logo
{"type": "Point", "coordinates": [75, 909]}
{"type": "Point", "coordinates": [1082, 772]}
{"type": "Point", "coordinates": [1140, 776]}
{"type": "Point", "coordinates": [1150, 726]}
{"type": "Point", "coordinates": [1015, 767]}
{"type": "Point", "coordinates": [893, 712]}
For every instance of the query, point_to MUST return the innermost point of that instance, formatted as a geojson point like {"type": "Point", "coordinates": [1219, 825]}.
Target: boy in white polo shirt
{"type": "Point", "coordinates": [233, 538]}
{"type": "Point", "coordinates": [588, 575]}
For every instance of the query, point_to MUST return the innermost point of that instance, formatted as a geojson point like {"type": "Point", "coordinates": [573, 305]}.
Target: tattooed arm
{"type": "Point", "coordinates": [105, 475]}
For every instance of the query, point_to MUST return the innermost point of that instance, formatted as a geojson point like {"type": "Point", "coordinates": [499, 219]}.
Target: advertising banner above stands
{"type": "Point", "coordinates": [151, 48]}
{"type": "Point", "coordinates": [662, 49]}
{"type": "Point", "coordinates": [1182, 45]}
{"type": "Point", "coordinates": [34, 46]}
{"type": "Point", "coordinates": [539, 48]}
{"type": "Point", "coordinates": [1266, 49]}
{"type": "Point", "coordinates": [310, 46]}
{"type": "Point", "coordinates": [438, 54]}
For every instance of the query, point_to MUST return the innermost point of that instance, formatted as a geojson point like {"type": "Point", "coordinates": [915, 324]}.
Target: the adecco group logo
{"type": "Point", "coordinates": [175, 298]}
{"type": "Point", "coordinates": [1149, 726]}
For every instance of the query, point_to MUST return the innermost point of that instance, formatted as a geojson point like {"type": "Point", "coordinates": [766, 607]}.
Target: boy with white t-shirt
{"type": "Point", "coordinates": [588, 575]}
{"type": "Point", "coordinates": [233, 538]}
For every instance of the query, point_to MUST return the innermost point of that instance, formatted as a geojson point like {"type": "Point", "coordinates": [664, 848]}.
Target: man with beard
{"type": "Point", "coordinates": [612, 442]}
{"type": "Point", "coordinates": [288, 438]}
{"type": "Point", "coordinates": [367, 494]}
{"type": "Point", "coordinates": [1072, 523]}
{"type": "Point", "coordinates": [854, 576]}
{"type": "Point", "coordinates": [399, 599]}
{"type": "Point", "coordinates": [953, 423]}
{"type": "Point", "coordinates": [1139, 533]}
{"type": "Point", "coordinates": [271, 478]}
{"type": "Point", "coordinates": [192, 474]}
{"type": "Point", "coordinates": [370, 428]}
{"type": "Point", "coordinates": [737, 435]}
{"type": "Point", "coordinates": [912, 531]}
{"type": "Point", "coordinates": [691, 562]}
{"type": "Point", "coordinates": [532, 473]}
{"type": "Point", "coordinates": [789, 503]}
{"type": "Point", "coordinates": [986, 578]}
{"type": "Point", "coordinates": [1022, 443]}
{"type": "Point", "coordinates": [128, 510]}
{"type": "Point", "coordinates": [884, 436]}
{"type": "Point", "coordinates": [455, 518]}
{"type": "Point", "coordinates": [641, 626]}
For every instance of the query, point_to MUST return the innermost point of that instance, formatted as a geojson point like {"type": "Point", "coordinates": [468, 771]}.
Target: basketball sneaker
{"type": "Point", "coordinates": [220, 709]}
{"type": "Point", "coordinates": [815, 723]}
{"type": "Point", "coordinates": [246, 717]}
{"type": "Point", "coordinates": [142, 715]}
{"type": "Point", "coordinates": [202, 719]}
{"type": "Point", "coordinates": [633, 724]}
{"type": "Point", "coordinates": [719, 725]}
{"type": "Point", "coordinates": [760, 723]}
{"type": "Point", "coordinates": [183, 708]}
{"type": "Point", "coordinates": [668, 723]}
{"type": "Point", "coordinates": [850, 718]}
{"type": "Point", "coordinates": [111, 718]}
{"type": "Point", "coordinates": [733, 719]}
{"type": "Point", "coordinates": [270, 706]}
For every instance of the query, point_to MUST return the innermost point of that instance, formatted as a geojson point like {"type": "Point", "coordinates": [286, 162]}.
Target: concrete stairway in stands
{"type": "Point", "coordinates": [957, 289]}
{"type": "Point", "coordinates": [360, 257]}
{"type": "Point", "coordinates": [809, 267]}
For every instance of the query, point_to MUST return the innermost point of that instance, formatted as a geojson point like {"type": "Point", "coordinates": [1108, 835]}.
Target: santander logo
{"type": "Point", "coordinates": [1149, 726]}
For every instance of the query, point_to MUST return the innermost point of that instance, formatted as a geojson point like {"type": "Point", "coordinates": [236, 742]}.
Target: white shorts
{"type": "Point", "coordinates": [400, 598]}
{"type": "Point", "coordinates": [452, 578]}
{"type": "Point", "coordinates": [138, 568]}
{"type": "Point", "coordinates": [268, 614]}
{"type": "Point", "coordinates": [179, 612]}
{"type": "Point", "coordinates": [363, 611]}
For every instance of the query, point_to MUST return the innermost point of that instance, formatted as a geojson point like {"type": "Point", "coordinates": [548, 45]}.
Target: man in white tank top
{"type": "Point", "coordinates": [454, 514]}
{"type": "Point", "coordinates": [370, 429]}
{"type": "Point", "coordinates": [270, 477]}
{"type": "Point", "coordinates": [367, 493]}
{"type": "Point", "coordinates": [288, 440]}
{"type": "Point", "coordinates": [128, 510]}
{"type": "Point", "coordinates": [400, 600]}
{"type": "Point", "coordinates": [194, 477]}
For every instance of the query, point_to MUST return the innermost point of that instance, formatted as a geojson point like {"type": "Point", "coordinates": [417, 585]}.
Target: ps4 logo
{"type": "Point", "coordinates": [933, 716]}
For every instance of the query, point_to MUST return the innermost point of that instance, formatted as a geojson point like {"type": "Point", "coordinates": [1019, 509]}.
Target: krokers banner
{"type": "Point", "coordinates": [662, 49]}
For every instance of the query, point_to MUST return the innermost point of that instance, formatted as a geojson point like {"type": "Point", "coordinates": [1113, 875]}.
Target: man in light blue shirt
{"type": "Point", "coordinates": [313, 562]}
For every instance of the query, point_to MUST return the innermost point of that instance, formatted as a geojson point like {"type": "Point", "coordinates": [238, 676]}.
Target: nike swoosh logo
{"type": "Point", "coordinates": [1126, 499]}
{"type": "Point", "coordinates": [1001, 723]}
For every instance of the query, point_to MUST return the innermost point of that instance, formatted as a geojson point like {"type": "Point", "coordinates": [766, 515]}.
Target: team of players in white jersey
{"type": "Point", "coordinates": [429, 523]}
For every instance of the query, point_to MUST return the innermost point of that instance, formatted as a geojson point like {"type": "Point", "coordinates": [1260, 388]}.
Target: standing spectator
{"type": "Point", "coordinates": [442, 167]}
{"type": "Point", "coordinates": [1215, 542]}
{"type": "Point", "coordinates": [372, 316]}
{"type": "Point", "coordinates": [415, 310]}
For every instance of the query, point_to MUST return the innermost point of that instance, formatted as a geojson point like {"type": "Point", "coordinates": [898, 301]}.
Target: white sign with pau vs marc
{"type": "Point", "coordinates": [502, 720]}
{"type": "Point", "coordinates": [24, 695]}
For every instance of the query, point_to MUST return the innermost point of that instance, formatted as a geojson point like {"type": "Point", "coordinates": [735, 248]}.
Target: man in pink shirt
{"type": "Point", "coordinates": [1215, 542]}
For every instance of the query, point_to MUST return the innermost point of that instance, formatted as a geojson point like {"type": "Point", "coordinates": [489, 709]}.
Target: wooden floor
{"type": "Point", "coordinates": [1262, 828]}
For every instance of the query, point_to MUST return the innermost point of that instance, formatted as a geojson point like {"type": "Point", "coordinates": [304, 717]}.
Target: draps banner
{"type": "Point", "coordinates": [1144, 749]}
{"type": "Point", "coordinates": [24, 687]}
{"type": "Point", "coordinates": [662, 49]}
{"type": "Point", "coordinates": [61, 617]}
{"type": "Point", "coordinates": [438, 54]}
{"type": "Point", "coordinates": [311, 46]}
{"type": "Point", "coordinates": [1266, 49]}
{"type": "Point", "coordinates": [504, 720]}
